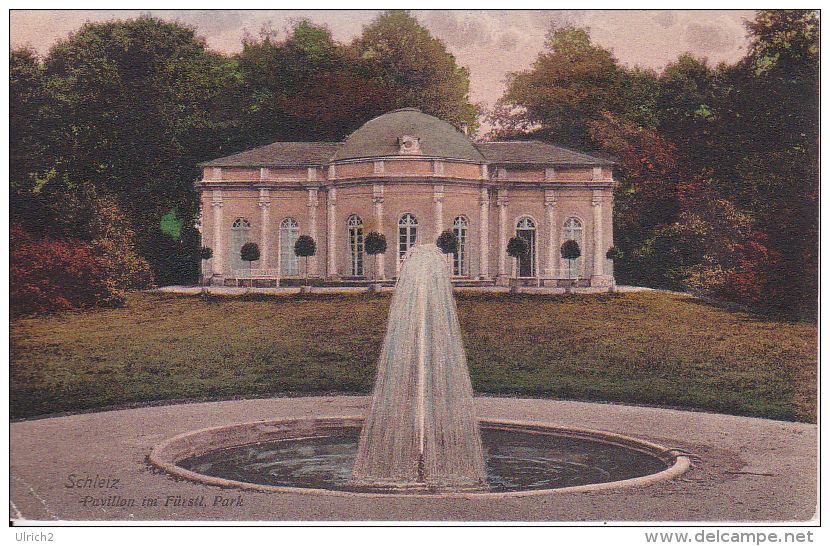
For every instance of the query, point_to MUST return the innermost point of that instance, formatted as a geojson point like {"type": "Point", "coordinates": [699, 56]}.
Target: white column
{"type": "Point", "coordinates": [553, 243]}
{"type": "Point", "coordinates": [313, 203]}
{"type": "Point", "coordinates": [264, 217]}
{"type": "Point", "coordinates": [502, 203]}
{"type": "Point", "coordinates": [332, 213]}
{"type": "Point", "coordinates": [377, 199]}
{"type": "Point", "coordinates": [597, 234]}
{"type": "Point", "coordinates": [438, 209]}
{"type": "Point", "coordinates": [484, 234]}
{"type": "Point", "coordinates": [218, 251]}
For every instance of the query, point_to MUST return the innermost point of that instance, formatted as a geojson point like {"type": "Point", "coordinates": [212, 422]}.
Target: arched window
{"type": "Point", "coordinates": [240, 234]}
{"type": "Point", "coordinates": [407, 234]}
{"type": "Point", "coordinates": [289, 263]}
{"type": "Point", "coordinates": [355, 227]}
{"type": "Point", "coordinates": [572, 230]}
{"type": "Point", "coordinates": [526, 229]}
{"type": "Point", "coordinates": [459, 258]}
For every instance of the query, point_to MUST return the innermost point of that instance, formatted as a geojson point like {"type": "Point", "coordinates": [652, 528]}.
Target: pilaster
{"type": "Point", "coordinates": [553, 232]}
{"type": "Point", "coordinates": [377, 199]}
{"type": "Point", "coordinates": [218, 251]}
{"type": "Point", "coordinates": [264, 214]}
{"type": "Point", "coordinates": [332, 221]}
{"type": "Point", "coordinates": [502, 202]}
{"type": "Point", "coordinates": [438, 208]}
{"type": "Point", "coordinates": [484, 233]}
{"type": "Point", "coordinates": [313, 203]}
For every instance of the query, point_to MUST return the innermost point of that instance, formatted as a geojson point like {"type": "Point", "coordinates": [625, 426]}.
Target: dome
{"type": "Point", "coordinates": [408, 132]}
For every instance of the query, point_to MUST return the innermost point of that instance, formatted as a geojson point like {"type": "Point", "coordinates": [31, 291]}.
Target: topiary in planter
{"type": "Point", "coordinates": [447, 242]}
{"type": "Point", "coordinates": [304, 247]}
{"type": "Point", "coordinates": [205, 253]}
{"type": "Point", "coordinates": [517, 247]}
{"type": "Point", "coordinates": [249, 253]}
{"type": "Point", "coordinates": [373, 244]}
{"type": "Point", "coordinates": [570, 251]}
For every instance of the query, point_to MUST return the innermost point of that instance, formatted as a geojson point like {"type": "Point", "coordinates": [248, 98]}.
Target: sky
{"type": "Point", "coordinates": [491, 43]}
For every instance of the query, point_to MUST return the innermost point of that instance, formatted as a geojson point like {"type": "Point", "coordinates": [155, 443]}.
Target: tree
{"type": "Point", "coordinates": [33, 123]}
{"type": "Point", "coordinates": [249, 253]}
{"type": "Point", "coordinates": [138, 100]}
{"type": "Point", "coordinates": [517, 247]}
{"type": "Point", "coordinates": [294, 90]}
{"type": "Point", "coordinates": [305, 246]}
{"type": "Point", "coordinates": [570, 84]}
{"type": "Point", "coordinates": [417, 68]}
{"type": "Point", "coordinates": [774, 104]}
{"type": "Point", "coordinates": [688, 104]}
{"type": "Point", "coordinates": [570, 251]}
{"type": "Point", "coordinates": [374, 243]}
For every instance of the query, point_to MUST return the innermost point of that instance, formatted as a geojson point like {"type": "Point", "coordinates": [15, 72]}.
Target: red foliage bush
{"type": "Point", "coordinates": [49, 274]}
{"type": "Point", "coordinates": [745, 284]}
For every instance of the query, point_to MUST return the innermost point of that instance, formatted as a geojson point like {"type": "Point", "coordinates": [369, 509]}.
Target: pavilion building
{"type": "Point", "coordinates": [409, 176]}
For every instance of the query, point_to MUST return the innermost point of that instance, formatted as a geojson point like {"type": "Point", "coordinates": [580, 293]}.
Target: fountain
{"type": "Point", "coordinates": [421, 432]}
{"type": "Point", "coordinates": [421, 435]}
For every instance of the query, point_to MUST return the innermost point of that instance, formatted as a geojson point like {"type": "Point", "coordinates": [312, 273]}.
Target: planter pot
{"type": "Point", "coordinates": [374, 287]}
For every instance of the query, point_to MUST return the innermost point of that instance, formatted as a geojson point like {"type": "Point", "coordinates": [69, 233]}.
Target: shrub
{"type": "Point", "coordinates": [48, 274]}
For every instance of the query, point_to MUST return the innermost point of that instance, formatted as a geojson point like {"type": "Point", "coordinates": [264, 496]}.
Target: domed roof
{"type": "Point", "coordinates": [408, 132]}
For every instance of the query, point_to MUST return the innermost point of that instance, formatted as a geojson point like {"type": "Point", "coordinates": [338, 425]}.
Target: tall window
{"type": "Point", "coordinates": [573, 230]}
{"type": "Point", "coordinates": [240, 234]}
{"type": "Point", "coordinates": [526, 229]}
{"type": "Point", "coordinates": [289, 263]}
{"type": "Point", "coordinates": [459, 258]}
{"type": "Point", "coordinates": [407, 234]}
{"type": "Point", "coordinates": [355, 225]}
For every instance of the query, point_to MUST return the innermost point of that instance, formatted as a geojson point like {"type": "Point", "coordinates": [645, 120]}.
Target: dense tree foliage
{"type": "Point", "coordinates": [717, 168]}
{"type": "Point", "coordinates": [416, 68]}
{"type": "Point", "coordinates": [116, 117]}
{"type": "Point", "coordinates": [305, 88]}
{"type": "Point", "coordinates": [570, 84]}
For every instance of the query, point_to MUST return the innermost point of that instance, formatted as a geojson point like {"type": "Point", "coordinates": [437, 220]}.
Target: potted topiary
{"type": "Point", "coordinates": [205, 254]}
{"type": "Point", "coordinates": [448, 243]}
{"type": "Point", "coordinates": [613, 254]}
{"type": "Point", "coordinates": [304, 247]}
{"type": "Point", "coordinates": [516, 248]}
{"type": "Point", "coordinates": [374, 243]}
{"type": "Point", "coordinates": [570, 251]}
{"type": "Point", "coordinates": [250, 254]}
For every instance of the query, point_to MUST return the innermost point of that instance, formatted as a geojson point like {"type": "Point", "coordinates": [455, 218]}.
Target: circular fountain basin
{"type": "Point", "coordinates": [316, 455]}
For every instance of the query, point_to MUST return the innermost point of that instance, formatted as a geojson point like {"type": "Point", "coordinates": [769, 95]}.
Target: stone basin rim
{"type": "Point", "coordinates": [168, 453]}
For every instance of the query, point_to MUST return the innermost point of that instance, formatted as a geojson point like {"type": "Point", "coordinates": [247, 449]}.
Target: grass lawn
{"type": "Point", "coordinates": [644, 348]}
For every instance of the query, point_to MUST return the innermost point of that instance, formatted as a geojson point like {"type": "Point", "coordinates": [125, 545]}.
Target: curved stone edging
{"type": "Point", "coordinates": [166, 454]}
